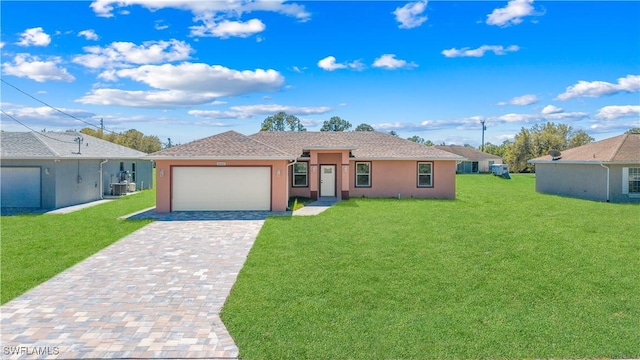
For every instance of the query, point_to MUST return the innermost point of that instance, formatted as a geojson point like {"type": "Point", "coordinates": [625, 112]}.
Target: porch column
{"type": "Point", "coordinates": [314, 171]}
{"type": "Point", "coordinates": [346, 175]}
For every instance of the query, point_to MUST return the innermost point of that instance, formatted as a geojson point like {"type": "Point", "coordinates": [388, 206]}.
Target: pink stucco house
{"type": "Point", "coordinates": [231, 171]}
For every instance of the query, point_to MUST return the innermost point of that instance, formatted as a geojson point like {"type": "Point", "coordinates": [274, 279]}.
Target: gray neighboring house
{"type": "Point", "coordinates": [606, 170]}
{"type": "Point", "coordinates": [475, 161]}
{"type": "Point", "coordinates": [46, 170]}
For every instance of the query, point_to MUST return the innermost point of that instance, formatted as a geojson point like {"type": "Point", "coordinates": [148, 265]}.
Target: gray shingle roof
{"type": "Point", "coordinates": [227, 145]}
{"type": "Point", "coordinates": [623, 148]}
{"type": "Point", "coordinates": [61, 145]}
{"type": "Point", "coordinates": [468, 152]}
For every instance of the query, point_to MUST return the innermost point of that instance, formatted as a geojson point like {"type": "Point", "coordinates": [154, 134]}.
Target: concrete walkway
{"type": "Point", "coordinates": [156, 293]}
{"type": "Point", "coordinates": [316, 207]}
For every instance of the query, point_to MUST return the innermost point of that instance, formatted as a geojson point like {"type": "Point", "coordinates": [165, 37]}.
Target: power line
{"type": "Point", "coordinates": [41, 133]}
{"type": "Point", "coordinates": [53, 107]}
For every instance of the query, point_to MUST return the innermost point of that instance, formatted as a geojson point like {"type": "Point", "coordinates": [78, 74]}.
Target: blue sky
{"type": "Point", "coordinates": [188, 69]}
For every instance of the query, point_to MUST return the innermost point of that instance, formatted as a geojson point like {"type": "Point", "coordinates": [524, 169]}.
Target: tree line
{"type": "Point", "coordinates": [132, 138]}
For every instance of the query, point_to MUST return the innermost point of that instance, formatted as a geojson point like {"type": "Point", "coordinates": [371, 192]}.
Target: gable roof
{"type": "Point", "coordinates": [468, 152]}
{"type": "Point", "coordinates": [61, 145]}
{"type": "Point", "coordinates": [364, 145]}
{"type": "Point", "coordinates": [622, 149]}
{"type": "Point", "coordinates": [227, 145]}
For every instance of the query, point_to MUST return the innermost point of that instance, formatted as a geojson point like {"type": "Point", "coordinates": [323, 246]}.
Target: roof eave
{"type": "Point", "coordinates": [583, 162]}
{"type": "Point", "coordinates": [208, 157]}
{"type": "Point", "coordinates": [411, 158]}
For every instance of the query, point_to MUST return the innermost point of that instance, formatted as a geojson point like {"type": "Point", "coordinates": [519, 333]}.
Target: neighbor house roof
{"type": "Point", "coordinates": [61, 145]}
{"type": "Point", "coordinates": [623, 149]}
{"type": "Point", "coordinates": [365, 145]}
{"type": "Point", "coordinates": [227, 145]}
{"type": "Point", "coordinates": [468, 152]}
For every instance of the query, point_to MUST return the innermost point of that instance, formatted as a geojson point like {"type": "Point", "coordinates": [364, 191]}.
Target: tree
{"type": "Point", "coordinates": [539, 141]}
{"type": "Point", "coordinates": [428, 143]}
{"type": "Point", "coordinates": [635, 130]}
{"type": "Point", "coordinates": [579, 138]}
{"type": "Point", "coordinates": [131, 138]}
{"type": "Point", "coordinates": [282, 122]}
{"type": "Point", "coordinates": [392, 132]}
{"type": "Point", "coordinates": [365, 127]}
{"type": "Point", "coordinates": [336, 124]}
{"type": "Point", "coordinates": [416, 139]}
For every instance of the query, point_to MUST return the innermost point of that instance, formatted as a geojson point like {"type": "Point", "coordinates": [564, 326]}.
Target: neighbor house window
{"type": "Point", "coordinates": [363, 174]}
{"type": "Point", "coordinates": [133, 172]}
{"type": "Point", "coordinates": [300, 174]}
{"type": "Point", "coordinates": [634, 180]}
{"type": "Point", "coordinates": [425, 174]}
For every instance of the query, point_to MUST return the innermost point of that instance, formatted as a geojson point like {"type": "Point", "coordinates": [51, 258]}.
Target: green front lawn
{"type": "Point", "coordinates": [500, 272]}
{"type": "Point", "coordinates": [37, 247]}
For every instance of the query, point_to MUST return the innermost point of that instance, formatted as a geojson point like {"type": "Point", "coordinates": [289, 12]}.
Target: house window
{"type": "Point", "coordinates": [300, 174]}
{"type": "Point", "coordinates": [425, 174]}
{"type": "Point", "coordinates": [133, 172]}
{"type": "Point", "coordinates": [363, 174]}
{"type": "Point", "coordinates": [634, 180]}
{"type": "Point", "coordinates": [474, 167]}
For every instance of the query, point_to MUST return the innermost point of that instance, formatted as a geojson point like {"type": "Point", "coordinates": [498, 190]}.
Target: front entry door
{"type": "Point", "coordinates": [328, 180]}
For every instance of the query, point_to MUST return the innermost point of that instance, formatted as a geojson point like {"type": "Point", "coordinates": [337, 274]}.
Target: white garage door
{"type": "Point", "coordinates": [221, 188]}
{"type": "Point", "coordinates": [20, 187]}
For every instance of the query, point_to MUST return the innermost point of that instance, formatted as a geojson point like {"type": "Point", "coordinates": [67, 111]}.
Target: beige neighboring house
{"type": "Point", "coordinates": [231, 171]}
{"type": "Point", "coordinates": [474, 161]}
{"type": "Point", "coordinates": [606, 170]}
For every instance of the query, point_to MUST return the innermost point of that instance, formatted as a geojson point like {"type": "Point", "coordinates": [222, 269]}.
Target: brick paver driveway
{"type": "Point", "coordinates": [156, 293]}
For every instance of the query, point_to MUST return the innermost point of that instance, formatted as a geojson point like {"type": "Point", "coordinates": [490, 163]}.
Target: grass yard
{"type": "Point", "coordinates": [500, 272]}
{"type": "Point", "coordinates": [37, 247]}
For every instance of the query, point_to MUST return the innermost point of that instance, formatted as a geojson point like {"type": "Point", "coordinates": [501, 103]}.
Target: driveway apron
{"type": "Point", "coordinates": [156, 293]}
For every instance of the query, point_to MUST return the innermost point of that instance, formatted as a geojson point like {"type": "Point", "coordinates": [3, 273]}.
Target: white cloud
{"type": "Point", "coordinates": [389, 61]}
{"type": "Point", "coordinates": [329, 63]}
{"type": "Point", "coordinates": [521, 100]}
{"type": "Point", "coordinates": [119, 54]}
{"type": "Point", "coordinates": [25, 65]}
{"type": "Point", "coordinates": [630, 83]}
{"type": "Point", "coordinates": [479, 52]}
{"type": "Point", "coordinates": [226, 29]}
{"type": "Point", "coordinates": [159, 25]}
{"type": "Point", "coordinates": [274, 108]}
{"type": "Point", "coordinates": [247, 111]}
{"type": "Point", "coordinates": [410, 15]}
{"type": "Point", "coordinates": [34, 36]}
{"type": "Point", "coordinates": [218, 18]}
{"type": "Point", "coordinates": [614, 112]}
{"type": "Point", "coordinates": [89, 34]}
{"type": "Point", "coordinates": [1, 44]}
{"type": "Point", "coordinates": [551, 109]}
{"type": "Point", "coordinates": [511, 14]}
{"type": "Point", "coordinates": [185, 84]}
{"type": "Point", "coordinates": [47, 112]}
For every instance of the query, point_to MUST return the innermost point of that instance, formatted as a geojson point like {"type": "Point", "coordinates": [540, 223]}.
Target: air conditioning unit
{"type": "Point", "coordinates": [119, 189]}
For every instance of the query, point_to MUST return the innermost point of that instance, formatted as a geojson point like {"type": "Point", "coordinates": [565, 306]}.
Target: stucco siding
{"type": "Point", "coordinates": [143, 173]}
{"type": "Point", "coordinates": [77, 182]}
{"type": "Point", "coordinates": [399, 178]}
{"type": "Point", "coordinates": [574, 180]}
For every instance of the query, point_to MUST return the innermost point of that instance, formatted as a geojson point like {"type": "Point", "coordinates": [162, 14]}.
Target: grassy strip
{"type": "Point", "coordinates": [37, 247]}
{"type": "Point", "coordinates": [500, 272]}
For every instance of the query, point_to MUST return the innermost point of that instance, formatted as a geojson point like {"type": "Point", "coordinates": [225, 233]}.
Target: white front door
{"type": "Point", "coordinates": [328, 180]}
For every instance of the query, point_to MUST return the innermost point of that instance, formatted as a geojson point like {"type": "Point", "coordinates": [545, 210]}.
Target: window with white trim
{"type": "Point", "coordinates": [363, 174]}
{"type": "Point", "coordinates": [300, 174]}
{"type": "Point", "coordinates": [634, 180]}
{"type": "Point", "coordinates": [425, 174]}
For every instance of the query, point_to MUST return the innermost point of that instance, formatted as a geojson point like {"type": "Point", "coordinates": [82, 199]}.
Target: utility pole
{"type": "Point", "coordinates": [101, 128]}
{"type": "Point", "coordinates": [169, 143]}
{"type": "Point", "coordinates": [483, 129]}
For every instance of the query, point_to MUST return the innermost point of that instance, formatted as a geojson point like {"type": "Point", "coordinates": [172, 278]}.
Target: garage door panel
{"type": "Point", "coordinates": [221, 188]}
{"type": "Point", "coordinates": [20, 187]}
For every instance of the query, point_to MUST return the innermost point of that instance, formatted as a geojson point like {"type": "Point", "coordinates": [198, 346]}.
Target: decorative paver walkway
{"type": "Point", "coordinates": [156, 293]}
